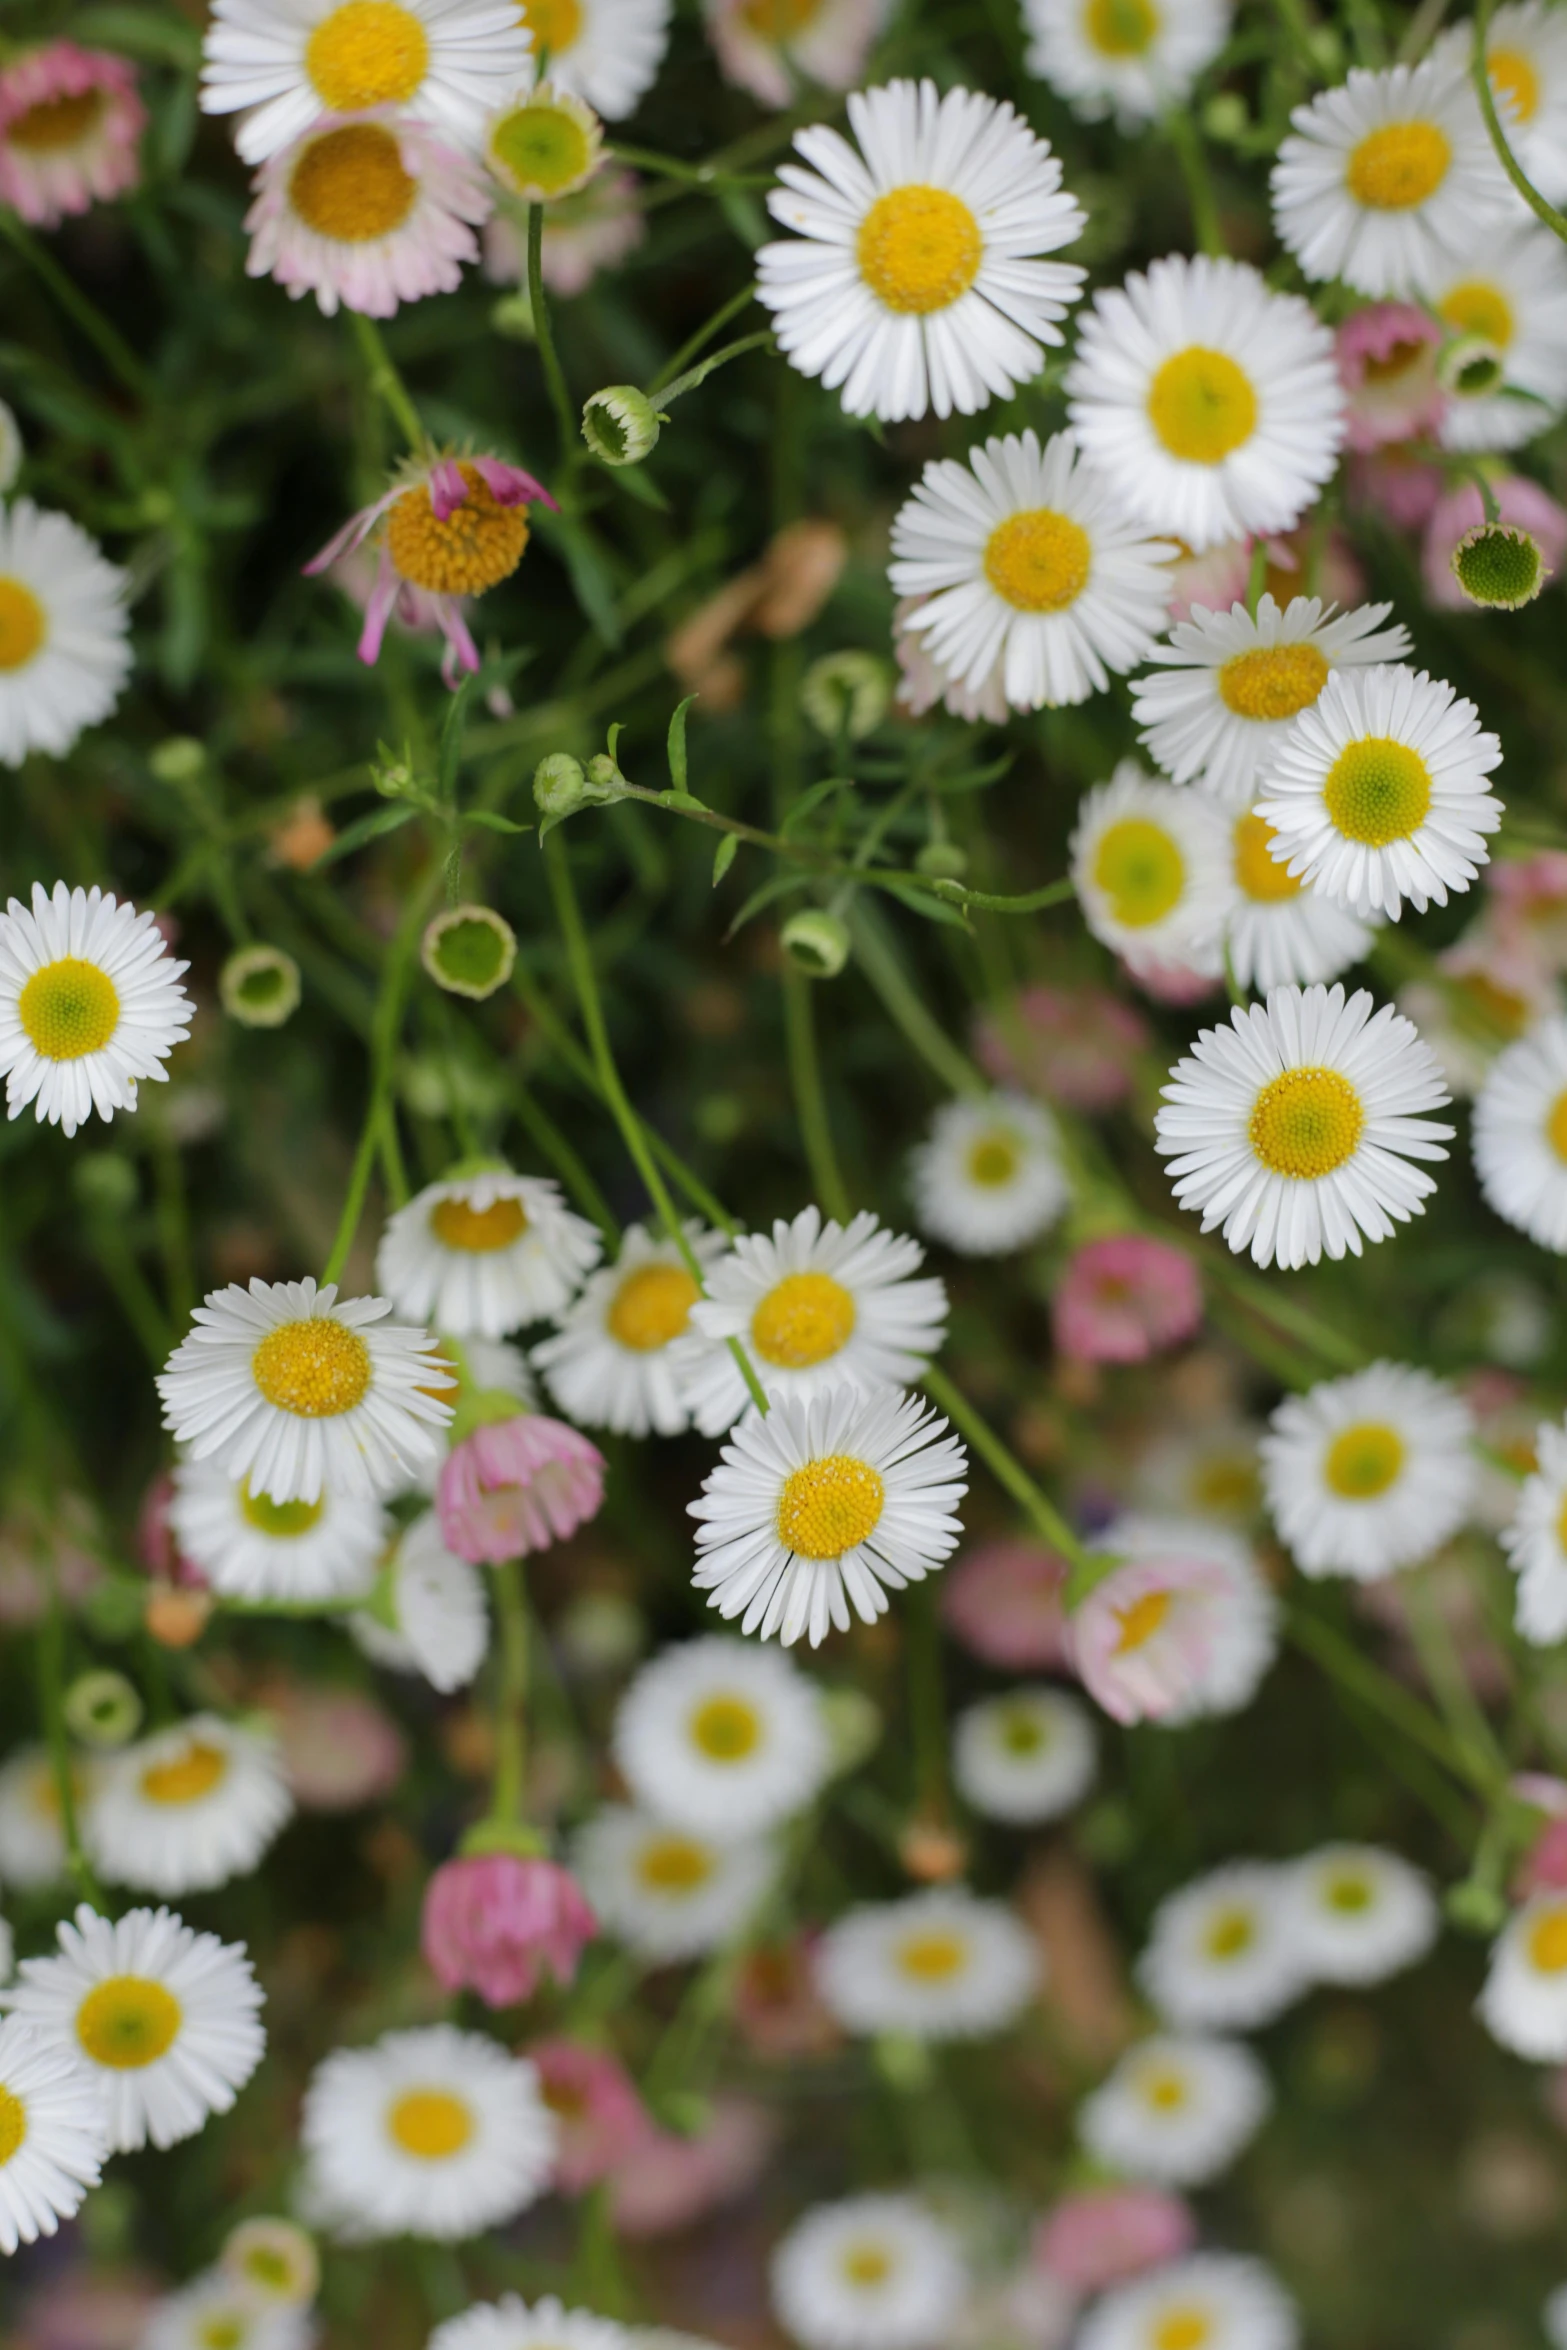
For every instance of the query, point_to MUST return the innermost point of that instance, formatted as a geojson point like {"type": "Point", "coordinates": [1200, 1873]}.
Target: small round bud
{"type": "Point", "coordinates": [604, 779]}
{"type": "Point", "coordinates": [545, 146]}
{"type": "Point", "coordinates": [816, 943]}
{"type": "Point", "coordinates": [1224, 118]}
{"type": "Point", "coordinates": [179, 759]}
{"type": "Point", "coordinates": [1499, 565]}
{"type": "Point", "coordinates": [1471, 367]}
{"type": "Point", "coordinates": [11, 450]}
{"type": "Point", "coordinates": [102, 1708]}
{"type": "Point", "coordinates": [275, 2260]}
{"type": "Point", "coordinates": [932, 1852]}
{"type": "Point", "coordinates": [620, 425]}
{"type": "Point", "coordinates": [393, 778]}
{"type": "Point", "coordinates": [469, 951]}
{"type": "Point", "coordinates": [175, 1618]}
{"type": "Point", "coordinates": [942, 860]}
{"type": "Point", "coordinates": [105, 1183]}
{"type": "Point", "coordinates": [560, 785]}
{"type": "Point", "coordinates": [853, 1723]}
{"type": "Point", "coordinates": [846, 693]}
{"type": "Point", "coordinates": [259, 986]}
{"type": "Point", "coordinates": [512, 317]}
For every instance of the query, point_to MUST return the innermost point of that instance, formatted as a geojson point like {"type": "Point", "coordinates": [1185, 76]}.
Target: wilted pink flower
{"type": "Point", "coordinates": [516, 1486]}
{"type": "Point", "coordinates": [1169, 1636]}
{"type": "Point", "coordinates": [1075, 1045]}
{"type": "Point", "coordinates": [776, 2003]}
{"type": "Point", "coordinates": [1387, 364]}
{"type": "Point", "coordinates": [494, 1921]}
{"type": "Point", "coordinates": [339, 1749]}
{"type": "Point", "coordinates": [594, 2099]}
{"type": "Point", "coordinates": [1519, 501]}
{"type": "Point", "coordinates": [1177, 984]}
{"type": "Point", "coordinates": [70, 123]}
{"type": "Point", "coordinates": [594, 229]}
{"type": "Point", "coordinates": [668, 2182]}
{"type": "Point", "coordinates": [1125, 1298]}
{"type": "Point", "coordinates": [1106, 2234]}
{"type": "Point", "coordinates": [1003, 1601]}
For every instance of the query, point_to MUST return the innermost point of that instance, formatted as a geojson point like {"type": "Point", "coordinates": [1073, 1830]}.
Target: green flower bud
{"type": "Point", "coordinates": [1498, 565]}
{"type": "Point", "coordinates": [105, 1183]}
{"type": "Point", "coordinates": [512, 317]}
{"type": "Point", "coordinates": [180, 759]}
{"type": "Point", "coordinates": [1224, 118]}
{"type": "Point", "coordinates": [1476, 1909]}
{"type": "Point", "coordinates": [1471, 367]}
{"type": "Point", "coordinates": [620, 425]}
{"type": "Point", "coordinates": [560, 785]}
{"type": "Point", "coordinates": [943, 860]}
{"type": "Point", "coordinates": [469, 950]}
{"type": "Point", "coordinates": [853, 1724]}
{"type": "Point", "coordinates": [816, 943]}
{"type": "Point", "coordinates": [259, 986]}
{"type": "Point", "coordinates": [102, 1708]}
{"type": "Point", "coordinates": [846, 693]}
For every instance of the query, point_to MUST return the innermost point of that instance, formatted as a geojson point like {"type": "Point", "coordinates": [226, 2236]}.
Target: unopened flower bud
{"type": "Point", "coordinates": [932, 1852]}
{"type": "Point", "coordinates": [512, 317]}
{"type": "Point", "coordinates": [1475, 1909]}
{"type": "Point", "coordinates": [1499, 565]}
{"type": "Point", "coordinates": [620, 425]}
{"type": "Point", "coordinates": [102, 1708]}
{"type": "Point", "coordinates": [1471, 367]}
{"type": "Point", "coordinates": [180, 759]}
{"type": "Point", "coordinates": [469, 950]}
{"type": "Point", "coordinates": [816, 942]}
{"type": "Point", "coordinates": [496, 1921]}
{"type": "Point", "coordinates": [176, 1618]}
{"type": "Point", "coordinates": [560, 785]}
{"type": "Point", "coordinates": [846, 693]}
{"type": "Point", "coordinates": [259, 986]}
{"type": "Point", "coordinates": [942, 860]}
{"type": "Point", "coordinates": [1224, 118]}
{"type": "Point", "coordinates": [105, 1183]}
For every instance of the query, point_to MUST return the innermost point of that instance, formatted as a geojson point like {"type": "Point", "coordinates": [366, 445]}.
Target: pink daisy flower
{"type": "Point", "coordinates": [516, 1486]}
{"type": "Point", "coordinates": [70, 127]}
{"type": "Point", "coordinates": [1387, 364]}
{"type": "Point", "coordinates": [1073, 1045]}
{"type": "Point", "coordinates": [1125, 1298]}
{"type": "Point", "coordinates": [495, 1922]}
{"type": "Point", "coordinates": [1003, 1601]}
{"type": "Point", "coordinates": [602, 2119]}
{"type": "Point", "coordinates": [1103, 2235]}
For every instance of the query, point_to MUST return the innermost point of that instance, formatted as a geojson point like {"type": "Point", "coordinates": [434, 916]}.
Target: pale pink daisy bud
{"type": "Point", "coordinates": [1519, 501]}
{"type": "Point", "coordinates": [601, 2118]}
{"type": "Point", "coordinates": [70, 126]}
{"type": "Point", "coordinates": [1003, 1601]}
{"type": "Point", "coordinates": [494, 1921]}
{"type": "Point", "coordinates": [516, 1486]}
{"type": "Point", "coordinates": [1073, 1045]}
{"type": "Point", "coordinates": [1125, 1298]}
{"type": "Point", "coordinates": [1106, 2234]}
{"type": "Point", "coordinates": [340, 1750]}
{"type": "Point", "coordinates": [1387, 364]}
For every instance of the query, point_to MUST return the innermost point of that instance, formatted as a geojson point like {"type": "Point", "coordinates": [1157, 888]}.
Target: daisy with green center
{"type": "Point", "coordinates": [428, 1613]}
{"type": "Point", "coordinates": [722, 1737]}
{"type": "Point", "coordinates": [1524, 2002]}
{"type": "Point", "coordinates": [90, 1004]}
{"type": "Point", "coordinates": [1176, 2110]}
{"type": "Point", "coordinates": [1211, 2301]}
{"type": "Point", "coordinates": [873, 2272]}
{"type": "Point", "coordinates": [1280, 931]}
{"type": "Point", "coordinates": [1151, 870]}
{"type": "Point", "coordinates": [1361, 1914]}
{"type": "Point", "coordinates": [274, 2260]}
{"type": "Point", "coordinates": [1536, 1542]}
{"type": "Point", "coordinates": [915, 283]}
{"type": "Point", "coordinates": [215, 2312]}
{"type": "Point", "coordinates": [64, 633]}
{"type": "Point", "coordinates": [52, 2135]}
{"type": "Point", "coordinates": [481, 1254]}
{"type": "Point", "coordinates": [1221, 1954]}
{"type": "Point", "coordinates": [1526, 58]}
{"type": "Point", "coordinates": [988, 1177]}
{"type": "Point", "coordinates": [1293, 1127]}
{"type": "Point", "coordinates": [249, 1547]}
{"type": "Point", "coordinates": [1370, 1473]}
{"type": "Point", "coordinates": [938, 1965]}
{"type": "Point", "coordinates": [1520, 1135]}
{"type": "Point", "coordinates": [1025, 1757]}
{"type": "Point", "coordinates": [614, 1361]}
{"type": "Point", "coordinates": [667, 1893]}
{"type": "Point", "coordinates": [1134, 59]}
{"type": "Point", "coordinates": [544, 145]}
{"type": "Point", "coordinates": [188, 1808]}
{"type": "Point", "coordinates": [607, 51]}
{"type": "Point", "coordinates": [1506, 304]}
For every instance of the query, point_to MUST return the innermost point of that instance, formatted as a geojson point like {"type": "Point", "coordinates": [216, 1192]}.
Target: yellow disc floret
{"type": "Point", "coordinates": [803, 1319]}
{"type": "Point", "coordinates": [726, 1729]}
{"type": "Point", "coordinates": [1548, 1942]}
{"type": "Point", "coordinates": [1120, 28]}
{"type": "Point", "coordinates": [1399, 166]}
{"type": "Point", "coordinates": [1039, 561]}
{"type": "Point", "coordinates": [1363, 1461]}
{"type": "Point", "coordinates": [933, 1957]}
{"type": "Point", "coordinates": [1231, 1933]}
{"type": "Point", "coordinates": [1140, 868]}
{"type": "Point", "coordinates": [674, 1864]}
{"type": "Point", "coordinates": [69, 1008]}
{"type": "Point", "coordinates": [1306, 1122]}
{"type": "Point", "coordinates": [1514, 77]}
{"type": "Point", "coordinates": [1164, 2091]}
{"type": "Point", "coordinates": [24, 625]}
{"type": "Point", "coordinates": [1202, 406]}
{"type": "Point", "coordinates": [1556, 1126]}
{"type": "Point", "coordinates": [367, 53]}
{"type": "Point", "coordinates": [1183, 2329]}
{"type": "Point", "coordinates": [13, 2124]}
{"type": "Point", "coordinates": [1141, 1620]}
{"type": "Point", "coordinates": [1258, 873]}
{"type": "Point", "coordinates": [1377, 791]}
{"type": "Point", "coordinates": [1022, 1732]}
{"type": "Point", "coordinates": [456, 1223]}
{"type": "Point", "coordinates": [556, 25]}
{"type": "Point", "coordinates": [1477, 307]}
{"type": "Point", "coordinates": [188, 1777]}
{"type": "Point", "coordinates": [478, 545]}
{"type": "Point", "coordinates": [317, 1368]}
{"type": "Point", "coordinates": [56, 123]}
{"type": "Point", "coordinates": [128, 2021]}
{"type": "Point", "coordinates": [351, 184]}
{"type": "Point", "coordinates": [1349, 1893]}
{"type": "Point", "coordinates": [993, 1160]}
{"type": "Point", "coordinates": [919, 249]}
{"type": "Point", "coordinates": [829, 1506]}
{"type": "Point", "coordinates": [1272, 681]}
{"type": "Point", "coordinates": [779, 21]}
{"type": "Point", "coordinates": [866, 2264]}
{"type": "Point", "coordinates": [651, 1307]}
{"type": "Point", "coordinates": [431, 2124]}
{"type": "Point", "coordinates": [284, 1521]}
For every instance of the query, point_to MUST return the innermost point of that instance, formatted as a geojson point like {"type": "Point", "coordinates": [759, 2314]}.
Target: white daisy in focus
{"type": "Point", "coordinates": [1379, 795]}
{"type": "Point", "coordinates": [874, 2272]}
{"type": "Point", "coordinates": [818, 1307]}
{"type": "Point", "coordinates": [1280, 932]}
{"type": "Point", "coordinates": [1022, 562]}
{"type": "Point", "coordinates": [1209, 2301]}
{"type": "Point", "coordinates": [1370, 1473]}
{"type": "Point", "coordinates": [1211, 404]}
{"type": "Point", "coordinates": [612, 1363]}
{"type": "Point", "coordinates": [915, 282]}
{"type": "Point", "coordinates": [1292, 1127]}
{"type": "Point", "coordinates": [1222, 1953]}
{"type": "Point", "coordinates": [666, 1893]}
{"type": "Point", "coordinates": [188, 1808]}
{"type": "Point", "coordinates": [32, 1841]}
{"type": "Point", "coordinates": [988, 1177]}
{"type": "Point", "coordinates": [480, 1255]}
{"type": "Point", "coordinates": [1227, 688]}
{"type": "Point", "coordinates": [923, 682]}
{"type": "Point", "coordinates": [52, 2138]}
{"type": "Point", "coordinates": [825, 1506]}
{"type": "Point", "coordinates": [1024, 1757]}
{"type": "Point", "coordinates": [1177, 2109]}
{"type": "Point", "coordinates": [283, 1386]}
{"type": "Point", "coordinates": [296, 1552]}
{"type": "Point", "coordinates": [1526, 62]}
{"type": "Point", "coordinates": [64, 632]}
{"type": "Point", "coordinates": [510, 2324]}
{"type": "Point", "coordinates": [1360, 1914]}
{"type": "Point", "coordinates": [90, 1004]}
{"type": "Point", "coordinates": [722, 1737]}
{"type": "Point", "coordinates": [1135, 59]}
{"type": "Point", "coordinates": [215, 2308]}
{"type": "Point", "coordinates": [429, 1614]}
{"type": "Point", "coordinates": [1511, 296]}
{"type": "Point", "coordinates": [938, 1965]}
{"type": "Point", "coordinates": [161, 2019]}
{"type": "Point", "coordinates": [605, 51]}
{"type": "Point", "coordinates": [1536, 1543]}
{"type": "Point", "coordinates": [1388, 176]}
{"type": "Point", "coordinates": [1151, 868]}
{"type": "Point", "coordinates": [434, 2133]}
{"type": "Point", "coordinates": [1519, 1136]}
{"type": "Point", "coordinates": [1524, 2000]}
{"type": "Point", "coordinates": [283, 63]}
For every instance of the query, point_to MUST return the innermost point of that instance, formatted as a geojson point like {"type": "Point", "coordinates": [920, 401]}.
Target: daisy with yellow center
{"type": "Point", "coordinates": [1508, 303]}
{"type": "Point", "coordinates": [1209, 2301]}
{"type": "Point", "coordinates": [615, 1359]}
{"type": "Point", "coordinates": [1131, 58]}
{"type": "Point", "coordinates": [1220, 1954]}
{"type": "Point", "coordinates": [188, 1808]}
{"type": "Point", "coordinates": [544, 145]}
{"type": "Point", "coordinates": [1361, 1914]}
{"type": "Point", "coordinates": [70, 130]}
{"type": "Point", "coordinates": [274, 2260]}
{"type": "Point", "coordinates": [669, 1893]}
{"type": "Point", "coordinates": [607, 52]}
{"type": "Point", "coordinates": [988, 1177]}
{"type": "Point", "coordinates": [1524, 2001]}
{"type": "Point", "coordinates": [90, 1005]}
{"type": "Point", "coordinates": [64, 654]}
{"type": "Point", "coordinates": [915, 282]}
{"type": "Point", "coordinates": [1520, 1134]}
{"type": "Point", "coordinates": [1280, 930]}
{"type": "Point", "coordinates": [939, 1965]}
{"type": "Point", "coordinates": [1151, 868]}
{"type": "Point", "coordinates": [481, 1254]}
{"type": "Point", "coordinates": [52, 2136]}
{"type": "Point", "coordinates": [1526, 54]}
{"type": "Point", "coordinates": [249, 1547]}
{"type": "Point", "coordinates": [1370, 1473]}
{"type": "Point", "coordinates": [722, 1737]}
{"type": "Point", "coordinates": [1536, 1541]}
{"type": "Point", "coordinates": [768, 46]}
{"type": "Point", "coordinates": [880, 2272]}
{"type": "Point", "coordinates": [1182, 1627]}
{"type": "Point", "coordinates": [1176, 2110]}
{"type": "Point", "coordinates": [1292, 1127]}
{"type": "Point", "coordinates": [1024, 1758]}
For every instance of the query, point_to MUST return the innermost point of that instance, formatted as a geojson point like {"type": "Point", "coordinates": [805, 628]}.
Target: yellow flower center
{"type": "Point", "coordinates": [351, 184]}
{"type": "Point", "coordinates": [920, 249]}
{"type": "Point", "coordinates": [1141, 1621]}
{"type": "Point", "coordinates": [1556, 1127]}
{"type": "Point", "coordinates": [478, 545]}
{"type": "Point", "coordinates": [69, 1008]}
{"type": "Point", "coordinates": [726, 1729]}
{"type": "Point", "coordinates": [1306, 1122]}
{"type": "Point", "coordinates": [1399, 166]}
{"type": "Point", "coordinates": [1348, 1893]}
{"type": "Point", "coordinates": [1272, 681]}
{"type": "Point", "coordinates": [1038, 561]}
{"type": "Point", "coordinates": [1513, 76]}
{"type": "Point", "coordinates": [367, 53]}
{"type": "Point", "coordinates": [652, 1306]}
{"type": "Point", "coordinates": [1202, 406]}
{"type": "Point", "coordinates": [284, 1521]}
{"type": "Point", "coordinates": [63, 122]}
{"type": "Point", "coordinates": [1258, 873]}
{"type": "Point", "coordinates": [431, 2124]}
{"type": "Point", "coordinates": [1224, 1484]}
{"type": "Point", "coordinates": [1364, 1461]}
{"type": "Point", "coordinates": [222, 2333]}
{"type": "Point", "coordinates": [541, 146]}
{"type": "Point", "coordinates": [1377, 790]}
{"type": "Point", "coordinates": [1120, 28]}
{"type": "Point", "coordinates": [1022, 1733]}
{"type": "Point", "coordinates": [317, 1368]}
{"type": "Point", "coordinates": [933, 1957]}
{"type": "Point", "coordinates": [1548, 1942]}
{"type": "Point", "coordinates": [866, 2264]}
{"type": "Point", "coordinates": [1183, 2329]}
{"type": "Point", "coordinates": [673, 1864]}
{"type": "Point", "coordinates": [270, 2268]}
{"type": "Point", "coordinates": [1479, 308]}
{"type": "Point", "coordinates": [1231, 1934]}
{"type": "Point", "coordinates": [1141, 870]}
{"type": "Point", "coordinates": [1400, 359]}
{"type": "Point", "coordinates": [127, 2022]}
{"type": "Point", "coordinates": [456, 1223]}
{"type": "Point", "coordinates": [803, 1320]}
{"type": "Point", "coordinates": [1165, 2092]}
{"type": "Point", "coordinates": [829, 1506]}
{"type": "Point", "coordinates": [24, 625]}
{"type": "Point", "coordinates": [993, 1160]}
{"type": "Point", "coordinates": [188, 1777]}
{"type": "Point", "coordinates": [555, 24]}
{"type": "Point", "coordinates": [13, 2124]}
{"type": "Point", "coordinates": [779, 21]}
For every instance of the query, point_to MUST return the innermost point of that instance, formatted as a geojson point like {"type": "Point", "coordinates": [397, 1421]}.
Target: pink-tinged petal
{"type": "Point", "coordinates": [353, 534]}
{"type": "Point", "coordinates": [461, 651]}
{"type": "Point", "coordinates": [510, 485]}
{"type": "Point", "coordinates": [378, 612]}
{"type": "Point", "coordinates": [448, 490]}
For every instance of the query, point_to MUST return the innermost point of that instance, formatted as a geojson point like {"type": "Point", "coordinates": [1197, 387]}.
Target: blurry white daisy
{"type": "Point", "coordinates": [768, 46]}
{"type": "Point", "coordinates": [1222, 1953]}
{"type": "Point", "coordinates": [1024, 563]}
{"type": "Point", "coordinates": [1212, 404]}
{"type": "Point", "coordinates": [1535, 1543]}
{"type": "Point", "coordinates": [1183, 1629]}
{"type": "Point", "coordinates": [825, 1506]}
{"type": "Point", "coordinates": [1369, 1473]}
{"type": "Point", "coordinates": [1292, 1127]}
{"type": "Point", "coordinates": [938, 1965]}
{"type": "Point", "coordinates": [1131, 58]}
{"type": "Point", "coordinates": [479, 1255]}
{"type": "Point", "coordinates": [1024, 1757]}
{"type": "Point", "coordinates": [1360, 1914]}
{"type": "Point", "coordinates": [722, 1737]}
{"type": "Point", "coordinates": [90, 1004]}
{"type": "Point", "coordinates": [429, 1613]}
{"type": "Point", "coordinates": [1526, 60]}
{"type": "Point", "coordinates": [510, 2324]}
{"type": "Point", "coordinates": [64, 643]}
{"type": "Point", "coordinates": [611, 1363]}
{"type": "Point", "coordinates": [1151, 868]}
{"type": "Point", "coordinates": [1511, 297]}
{"type": "Point", "coordinates": [1207, 1471]}
{"type": "Point", "coordinates": [297, 1552]}
{"type": "Point", "coordinates": [32, 1840]}
{"type": "Point", "coordinates": [215, 2308]}
{"type": "Point", "coordinates": [1281, 932]}
{"type": "Point", "coordinates": [1520, 1135]}
{"type": "Point", "coordinates": [52, 2136]}
{"type": "Point", "coordinates": [988, 1177]}
{"type": "Point", "coordinates": [1553, 2317]}
{"type": "Point", "coordinates": [915, 283]}
{"type": "Point", "coordinates": [274, 2259]}
{"type": "Point", "coordinates": [1209, 2301]}
{"type": "Point", "coordinates": [874, 2272]}
{"type": "Point", "coordinates": [606, 51]}
{"type": "Point", "coordinates": [667, 1893]}
{"type": "Point", "coordinates": [188, 1808]}
{"type": "Point", "coordinates": [1524, 2000]}
{"type": "Point", "coordinates": [285, 1387]}
{"type": "Point", "coordinates": [163, 2020]}
{"type": "Point", "coordinates": [1177, 2109]}
{"type": "Point", "coordinates": [368, 213]}
{"type": "Point", "coordinates": [434, 2132]}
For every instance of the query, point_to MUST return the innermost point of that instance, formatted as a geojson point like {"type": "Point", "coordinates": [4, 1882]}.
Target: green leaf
{"type": "Point", "coordinates": [153, 33]}
{"type": "Point", "coordinates": [367, 828]}
{"type": "Point", "coordinates": [635, 483]}
{"type": "Point", "coordinates": [724, 856]}
{"type": "Point", "coordinates": [779, 887]}
{"type": "Point", "coordinates": [682, 799]}
{"type": "Point", "coordinates": [808, 800]}
{"type": "Point", "coordinates": [585, 566]}
{"type": "Point", "coordinates": [933, 909]}
{"type": "Point", "coordinates": [493, 822]}
{"type": "Point", "coordinates": [677, 744]}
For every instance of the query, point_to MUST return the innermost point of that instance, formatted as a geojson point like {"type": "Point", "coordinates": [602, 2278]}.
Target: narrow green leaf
{"type": "Point", "coordinates": [724, 856]}
{"type": "Point", "coordinates": [677, 744]}
{"type": "Point", "coordinates": [780, 886]}
{"type": "Point", "coordinates": [493, 822]}
{"type": "Point", "coordinates": [366, 828]}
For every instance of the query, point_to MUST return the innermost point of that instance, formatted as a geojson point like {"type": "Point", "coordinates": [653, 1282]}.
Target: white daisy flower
{"type": "Point", "coordinates": [90, 1004]}
{"type": "Point", "coordinates": [32, 1841]}
{"type": "Point", "coordinates": [922, 681]}
{"type": "Point", "coordinates": [667, 1893]}
{"type": "Point", "coordinates": [612, 1363]}
{"type": "Point", "coordinates": [1209, 2301]}
{"type": "Point", "coordinates": [1292, 1127]}
{"type": "Point", "coordinates": [480, 1255]}
{"type": "Point", "coordinates": [606, 51]}
{"type": "Point", "coordinates": [1511, 293]}
{"type": "Point", "coordinates": [1212, 404]}
{"type": "Point", "coordinates": [52, 2136]}
{"type": "Point", "coordinates": [188, 1808]}
{"type": "Point", "coordinates": [1197, 1633]}
{"type": "Point", "coordinates": [722, 1737]}
{"type": "Point", "coordinates": [1222, 1953]}
{"type": "Point", "coordinates": [1379, 793]}
{"type": "Point", "coordinates": [1025, 1757]}
{"type": "Point", "coordinates": [296, 1552]}
{"type": "Point", "coordinates": [1208, 1471]}
{"type": "Point", "coordinates": [769, 46]}
{"type": "Point", "coordinates": [1524, 2001]}
{"type": "Point", "coordinates": [283, 63]}
{"type": "Point", "coordinates": [1360, 1914]}
{"type": "Point", "coordinates": [915, 282]}
{"type": "Point", "coordinates": [1280, 932]}
{"type": "Point", "coordinates": [1520, 1135]}
{"type": "Point", "coordinates": [988, 1177]}
{"type": "Point", "coordinates": [510, 2324]}
{"type": "Point", "coordinates": [874, 2272]}
{"type": "Point", "coordinates": [274, 2259]}
{"type": "Point", "coordinates": [827, 1505]}
{"type": "Point", "coordinates": [818, 1307]}
{"type": "Point", "coordinates": [1370, 1473]}
{"type": "Point", "coordinates": [64, 632]}
{"type": "Point", "coordinates": [1526, 60]}
{"type": "Point", "coordinates": [161, 2019]}
{"type": "Point", "coordinates": [1228, 688]}
{"type": "Point", "coordinates": [1177, 2109]}
{"type": "Point", "coordinates": [434, 2133]}
{"type": "Point", "coordinates": [1535, 1543]}
{"type": "Point", "coordinates": [1134, 59]}
{"type": "Point", "coordinates": [1025, 563]}
{"type": "Point", "coordinates": [1151, 868]}
{"type": "Point", "coordinates": [217, 2308]}
{"type": "Point", "coordinates": [285, 1387]}
{"type": "Point", "coordinates": [938, 1965]}
{"type": "Point", "coordinates": [1553, 2317]}
{"type": "Point", "coordinates": [1387, 177]}
{"type": "Point", "coordinates": [429, 1614]}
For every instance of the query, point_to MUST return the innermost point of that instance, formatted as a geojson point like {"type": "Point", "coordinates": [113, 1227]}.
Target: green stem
{"type": "Point", "coordinates": [133, 1291]}
{"type": "Point", "coordinates": [927, 1706]}
{"type": "Point", "coordinates": [1011, 1475]}
{"type": "Point", "coordinates": [548, 1139]}
{"type": "Point", "coordinates": [1480, 74]}
{"type": "Point", "coordinates": [805, 1075]}
{"type": "Point", "coordinates": [672, 369]}
{"type": "Point", "coordinates": [385, 382]}
{"type": "Point", "coordinates": [1257, 576]}
{"type": "Point", "coordinates": [385, 1030]}
{"type": "Point", "coordinates": [544, 334]}
{"type": "Point", "coordinates": [105, 339]}
{"type": "Point", "coordinates": [1343, 1662]}
{"type": "Point", "coordinates": [1443, 1669]}
{"type": "Point", "coordinates": [878, 960]}
{"type": "Point", "coordinates": [511, 1696]}
{"type": "Point", "coordinates": [1183, 135]}
{"type": "Point", "coordinates": [706, 367]}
